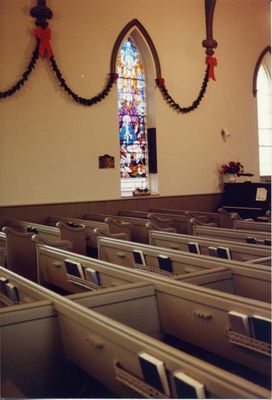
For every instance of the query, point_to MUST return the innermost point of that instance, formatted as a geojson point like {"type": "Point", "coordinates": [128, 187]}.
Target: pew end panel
{"type": "Point", "coordinates": [21, 255]}
{"type": "Point", "coordinates": [34, 364]}
{"type": "Point", "coordinates": [31, 346]}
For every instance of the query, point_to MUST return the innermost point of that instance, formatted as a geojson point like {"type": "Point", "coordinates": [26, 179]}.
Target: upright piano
{"type": "Point", "coordinates": [248, 199]}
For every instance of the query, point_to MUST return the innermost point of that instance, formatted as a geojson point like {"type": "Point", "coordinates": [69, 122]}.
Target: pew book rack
{"type": "Point", "coordinates": [136, 383]}
{"type": "Point", "coordinates": [249, 342]}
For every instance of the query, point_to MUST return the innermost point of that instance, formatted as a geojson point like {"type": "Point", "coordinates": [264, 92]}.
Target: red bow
{"type": "Point", "coordinates": [212, 62]}
{"type": "Point", "coordinates": [44, 35]}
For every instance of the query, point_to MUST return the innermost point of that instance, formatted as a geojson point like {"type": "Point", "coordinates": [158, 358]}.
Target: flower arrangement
{"type": "Point", "coordinates": [232, 168]}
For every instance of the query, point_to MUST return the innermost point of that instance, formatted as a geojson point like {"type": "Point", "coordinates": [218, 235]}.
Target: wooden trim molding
{"type": "Point", "coordinates": [257, 66]}
{"type": "Point", "coordinates": [135, 23]}
{"type": "Point", "coordinates": [209, 43]}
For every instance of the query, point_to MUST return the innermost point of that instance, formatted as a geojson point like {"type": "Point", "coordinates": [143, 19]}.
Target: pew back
{"type": "Point", "coordinates": [48, 232]}
{"type": "Point", "coordinates": [229, 234]}
{"type": "Point", "coordinates": [237, 251]}
{"type": "Point", "coordinates": [250, 280]}
{"type": "Point", "coordinates": [139, 230]}
{"type": "Point", "coordinates": [252, 225]}
{"type": "Point", "coordinates": [91, 225]}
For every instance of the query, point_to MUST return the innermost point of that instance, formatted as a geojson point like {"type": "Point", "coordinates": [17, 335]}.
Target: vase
{"type": "Point", "coordinates": [230, 178]}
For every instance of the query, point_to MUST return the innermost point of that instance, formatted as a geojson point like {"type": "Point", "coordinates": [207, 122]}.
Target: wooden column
{"type": "Point", "coordinates": [209, 43]}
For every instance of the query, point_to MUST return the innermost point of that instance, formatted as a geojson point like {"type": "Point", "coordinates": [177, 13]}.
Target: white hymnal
{"type": "Point", "coordinates": [3, 283]}
{"type": "Point", "coordinates": [212, 251]}
{"type": "Point", "coordinates": [92, 275]}
{"type": "Point", "coordinates": [12, 292]}
{"type": "Point", "coordinates": [187, 387]}
{"type": "Point", "coordinates": [154, 372]}
{"type": "Point", "coordinates": [239, 323]}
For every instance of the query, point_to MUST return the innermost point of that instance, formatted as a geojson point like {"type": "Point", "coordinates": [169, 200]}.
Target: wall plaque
{"type": "Point", "coordinates": [106, 161]}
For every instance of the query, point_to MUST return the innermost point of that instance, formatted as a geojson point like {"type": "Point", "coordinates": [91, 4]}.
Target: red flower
{"type": "Point", "coordinates": [232, 168]}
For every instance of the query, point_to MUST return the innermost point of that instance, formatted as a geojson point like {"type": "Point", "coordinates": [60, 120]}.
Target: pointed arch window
{"type": "Point", "coordinates": [132, 109]}
{"type": "Point", "coordinates": [264, 107]}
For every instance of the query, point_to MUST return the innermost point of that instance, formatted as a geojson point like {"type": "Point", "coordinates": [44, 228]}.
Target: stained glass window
{"type": "Point", "coordinates": [132, 119]}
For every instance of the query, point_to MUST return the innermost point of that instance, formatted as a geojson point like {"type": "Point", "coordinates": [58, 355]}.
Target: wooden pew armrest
{"type": "Point", "coordinates": [63, 244]}
{"type": "Point", "coordinates": [121, 235]}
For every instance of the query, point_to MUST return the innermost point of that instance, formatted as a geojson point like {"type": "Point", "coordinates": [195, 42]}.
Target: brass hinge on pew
{"type": "Point", "coordinates": [248, 342]}
{"type": "Point", "coordinates": [136, 383]}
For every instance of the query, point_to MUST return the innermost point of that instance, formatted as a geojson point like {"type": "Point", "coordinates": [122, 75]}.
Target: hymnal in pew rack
{"type": "Point", "coordinates": [186, 387]}
{"type": "Point", "coordinates": [224, 252]}
{"type": "Point", "coordinates": [165, 263]}
{"type": "Point", "coordinates": [260, 328]}
{"type": "Point", "coordinates": [221, 252]}
{"type": "Point", "coordinates": [74, 269]}
{"type": "Point", "coordinates": [75, 274]}
{"type": "Point", "coordinates": [239, 323]}
{"type": "Point", "coordinates": [13, 293]}
{"type": "Point", "coordinates": [193, 248]}
{"type": "Point", "coordinates": [154, 372]}
{"type": "Point", "coordinates": [92, 275]}
{"type": "Point", "coordinates": [139, 258]}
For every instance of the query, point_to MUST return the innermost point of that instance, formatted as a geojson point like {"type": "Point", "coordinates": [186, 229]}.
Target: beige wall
{"type": "Point", "coordinates": [49, 145]}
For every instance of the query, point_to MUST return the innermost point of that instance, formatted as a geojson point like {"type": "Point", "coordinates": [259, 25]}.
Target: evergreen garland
{"type": "Point", "coordinates": [104, 93]}
{"type": "Point", "coordinates": [171, 102]}
{"type": "Point", "coordinates": [86, 102]}
{"type": "Point", "coordinates": [18, 85]}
